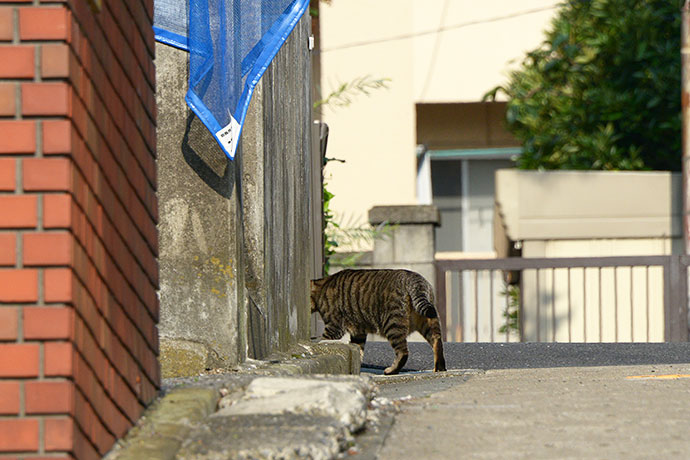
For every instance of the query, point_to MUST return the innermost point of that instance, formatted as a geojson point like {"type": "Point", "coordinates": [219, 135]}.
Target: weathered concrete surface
{"type": "Point", "coordinates": [181, 357]}
{"type": "Point", "coordinates": [165, 425]}
{"type": "Point", "coordinates": [344, 400]}
{"type": "Point", "coordinates": [181, 418]}
{"type": "Point", "coordinates": [288, 239]}
{"type": "Point", "coordinates": [410, 214]}
{"type": "Point", "coordinates": [198, 245]}
{"type": "Point", "coordinates": [565, 413]}
{"type": "Point", "coordinates": [236, 240]}
{"type": "Point", "coordinates": [280, 436]}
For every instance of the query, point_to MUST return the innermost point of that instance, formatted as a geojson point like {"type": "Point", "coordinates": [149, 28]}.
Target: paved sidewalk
{"type": "Point", "coordinates": [283, 409]}
{"type": "Point", "coordinates": [616, 412]}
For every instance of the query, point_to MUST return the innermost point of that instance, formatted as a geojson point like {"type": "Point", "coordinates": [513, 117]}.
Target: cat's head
{"type": "Point", "coordinates": [316, 286]}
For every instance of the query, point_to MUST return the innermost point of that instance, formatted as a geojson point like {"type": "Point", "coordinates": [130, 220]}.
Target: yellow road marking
{"type": "Point", "coordinates": [659, 377]}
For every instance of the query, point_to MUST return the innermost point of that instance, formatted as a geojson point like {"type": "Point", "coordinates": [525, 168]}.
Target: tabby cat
{"type": "Point", "coordinates": [392, 303]}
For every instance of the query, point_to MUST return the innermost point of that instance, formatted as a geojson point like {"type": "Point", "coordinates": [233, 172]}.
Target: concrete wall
{"type": "Point", "coordinates": [236, 239]}
{"type": "Point", "coordinates": [568, 205]}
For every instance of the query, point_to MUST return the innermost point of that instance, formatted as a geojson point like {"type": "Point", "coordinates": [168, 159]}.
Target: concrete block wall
{"type": "Point", "coordinates": [236, 237]}
{"type": "Point", "coordinates": [78, 212]}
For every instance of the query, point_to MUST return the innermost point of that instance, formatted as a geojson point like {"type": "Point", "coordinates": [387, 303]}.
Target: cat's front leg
{"type": "Point", "coordinates": [361, 340]}
{"type": "Point", "coordinates": [401, 353]}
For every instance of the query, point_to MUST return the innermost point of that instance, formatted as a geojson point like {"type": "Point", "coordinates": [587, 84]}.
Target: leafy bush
{"type": "Point", "coordinates": [603, 90]}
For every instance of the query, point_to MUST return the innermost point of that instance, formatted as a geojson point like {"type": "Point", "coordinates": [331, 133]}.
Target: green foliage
{"type": "Point", "coordinates": [329, 242]}
{"type": "Point", "coordinates": [512, 311]}
{"type": "Point", "coordinates": [343, 95]}
{"type": "Point", "coordinates": [350, 234]}
{"type": "Point", "coordinates": [603, 90]}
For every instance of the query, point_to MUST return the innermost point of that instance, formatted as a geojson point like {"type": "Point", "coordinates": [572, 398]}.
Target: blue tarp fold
{"type": "Point", "coordinates": [231, 43]}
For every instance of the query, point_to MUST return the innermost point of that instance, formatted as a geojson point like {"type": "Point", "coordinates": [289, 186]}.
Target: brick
{"type": "Point", "coordinates": [57, 210]}
{"type": "Point", "coordinates": [45, 99]}
{"type": "Point", "coordinates": [46, 397]}
{"type": "Point", "coordinates": [50, 323]}
{"type": "Point", "coordinates": [44, 24]}
{"type": "Point", "coordinates": [8, 107]}
{"type": "Point", "coordinates": [17, 61]}
{"type": "Point", "coordinates": [9, 398]}
{"type": "Point", "coordinates": [7, 173]}
{"type": "Point", "coordinates": [46, 174]}
{"type": "Point", "coordinates": [18, 435]}
{"type": "Point", "coordinates": [41, 249]}
{"type": "Point", "coordinates": [58, 359]}
{"type": "Point", "coordinates": [58, 434]}
{"type": "Point", "coordinates": [6, 27]}
{"type": "Point", "coordinates": [18, 360]}
{"type": "Point", "coordinates": [54, 61]}
{"type": "Point", "coordinates": [83, 448]}
{"type": "Point", "coordinates": [17, 137]}
{"type": "Point", "coordinates": [93, 428]}
{"type": "Point", "coordinates": [7, 249]}
{"type": "Point", "coordinates": [57, 285]}
{"type": "Point", "coordinates": [18, 211]}
{"type": "Point", "coordinates": [9, 317]}
{"type": "Point", "coordinates": [19, 285]}
{"type": "Point", "coordinates": [57, 136]}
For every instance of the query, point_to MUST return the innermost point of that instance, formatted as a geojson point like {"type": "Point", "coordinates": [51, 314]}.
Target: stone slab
{"type": "Point", "coordinates": [412, 214]}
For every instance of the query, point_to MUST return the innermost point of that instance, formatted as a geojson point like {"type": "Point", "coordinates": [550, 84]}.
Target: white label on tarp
{"type": "Point", "coordinates": [229, 135]}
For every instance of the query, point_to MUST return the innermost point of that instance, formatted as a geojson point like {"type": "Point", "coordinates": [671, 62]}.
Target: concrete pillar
{"type": "Point", "coordinates": [199, 320]}
{"type": "Point", "coordinates": [410, 241]}
{"type": "Point", "coordinates": [237, 245]}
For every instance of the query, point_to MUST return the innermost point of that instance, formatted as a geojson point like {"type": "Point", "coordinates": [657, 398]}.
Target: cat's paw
{"type": "Point", "coordinates": [390, 371]}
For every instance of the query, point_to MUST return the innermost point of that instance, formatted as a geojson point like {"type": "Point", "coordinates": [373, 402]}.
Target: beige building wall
{"type": "Point", "coordinates": [432, 51]}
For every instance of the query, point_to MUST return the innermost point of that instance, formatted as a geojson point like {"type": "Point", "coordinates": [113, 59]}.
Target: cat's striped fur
{"type": "Point", "coordinates": [392, 303]}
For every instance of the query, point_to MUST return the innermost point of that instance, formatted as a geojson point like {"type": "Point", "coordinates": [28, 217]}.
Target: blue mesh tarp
{"type": "Point", "coordinates": [231, 43]}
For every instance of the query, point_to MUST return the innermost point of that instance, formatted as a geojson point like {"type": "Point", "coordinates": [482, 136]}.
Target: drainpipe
{"type": "Point", "coordinates": [685, 101]}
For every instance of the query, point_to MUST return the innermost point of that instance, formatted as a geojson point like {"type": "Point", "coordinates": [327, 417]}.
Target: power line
{"type": "Point", "coordinates": [439, 30]}
{"type": "Point", "coordinates": [434, 53]}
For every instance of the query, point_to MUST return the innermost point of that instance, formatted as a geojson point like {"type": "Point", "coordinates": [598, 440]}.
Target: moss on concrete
{"type": "Point", "coordinates": [180, 358]}
{"type": "Point", "coordinates": [167, 423]}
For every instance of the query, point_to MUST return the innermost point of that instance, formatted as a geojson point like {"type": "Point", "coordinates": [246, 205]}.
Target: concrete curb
{"type": "Point", "coordinates": [186, 402]}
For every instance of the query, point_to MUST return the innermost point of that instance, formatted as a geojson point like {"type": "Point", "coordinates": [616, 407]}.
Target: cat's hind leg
{"type": "Point", "coordinates": [431, 330]}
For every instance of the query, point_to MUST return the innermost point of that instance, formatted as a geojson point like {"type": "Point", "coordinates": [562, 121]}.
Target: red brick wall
{"type": "Point", "coordinates": [78, 212]}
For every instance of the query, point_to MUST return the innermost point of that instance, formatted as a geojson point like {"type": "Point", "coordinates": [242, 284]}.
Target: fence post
{"type": "Point", "coordinates": [675, 300]}
{"type": "Point", "coordinates": [668, 299]}
{"type": "Point", "coordinates": [441, 298]}
{"type": "Point", "coordinates": [521, 309]}
{"type": "Point", "coordinates": [682, 305]}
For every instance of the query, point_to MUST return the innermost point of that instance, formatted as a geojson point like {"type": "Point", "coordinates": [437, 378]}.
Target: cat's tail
{"type": "Point", "coordinates": [422, 297]}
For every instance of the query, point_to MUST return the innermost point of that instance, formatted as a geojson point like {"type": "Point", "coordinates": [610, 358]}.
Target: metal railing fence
{"type": "Point", "coordinates": [577, 299]}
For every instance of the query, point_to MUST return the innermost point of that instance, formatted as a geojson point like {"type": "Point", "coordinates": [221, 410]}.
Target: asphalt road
{"type": "Point", "coordinates": [378, 355]}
